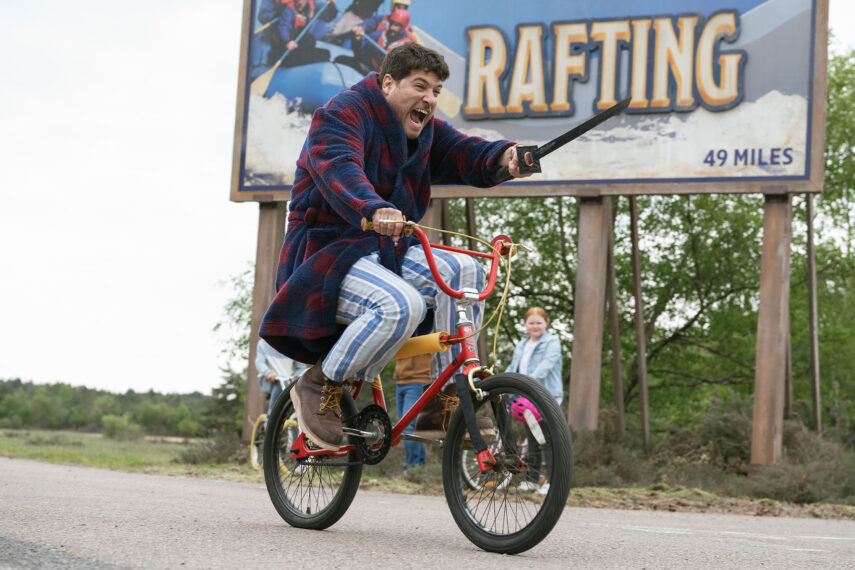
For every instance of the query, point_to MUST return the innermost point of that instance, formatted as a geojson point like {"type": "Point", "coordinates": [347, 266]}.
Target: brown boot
{"type": "Point", "coordinates": [316, 401]}
{"type": "Point", "coordinates": [433, 420]}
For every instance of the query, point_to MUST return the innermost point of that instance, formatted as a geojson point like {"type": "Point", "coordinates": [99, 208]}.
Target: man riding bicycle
{"type": "Point", "coordinates": [346, 299]}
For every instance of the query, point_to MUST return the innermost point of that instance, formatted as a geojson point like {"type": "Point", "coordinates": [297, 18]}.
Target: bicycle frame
{"type": "Point", "coordinates": [467, 359]}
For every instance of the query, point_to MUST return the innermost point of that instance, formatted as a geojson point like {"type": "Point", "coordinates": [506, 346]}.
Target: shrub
{"type": "Point", "coordinates": [714, 455]}
{"type": "Point", "coordinates": [12, 422]}
{"type": "Point", "coordinates": [721, 439]}
{"type": "Point", "coordinates": [223, 447]}
{"type": "Point", "coordinates": [602, 459]}
{"type": "Point", "coordinates": [189, 428]}
{"type": "Point", "coordinates": [120, 427]}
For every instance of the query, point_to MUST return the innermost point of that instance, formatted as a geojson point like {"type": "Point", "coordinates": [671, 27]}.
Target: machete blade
{"type": "Point", "coordinates": [539, 152]}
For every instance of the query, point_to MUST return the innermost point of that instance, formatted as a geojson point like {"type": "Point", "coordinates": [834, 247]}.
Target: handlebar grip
{"type": "Point", "coordinates": [368, 226]}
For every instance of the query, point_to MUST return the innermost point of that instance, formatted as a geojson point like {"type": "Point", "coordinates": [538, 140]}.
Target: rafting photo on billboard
{"type": "Point", "coordinates": [720, 89]}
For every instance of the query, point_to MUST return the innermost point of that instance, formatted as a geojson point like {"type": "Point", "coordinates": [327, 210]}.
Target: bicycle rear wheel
{"type": "Point", "coordinates": [312, 493]}
{"type": "Point", "coordinates": [513, 507]}
{"type": "Point", "coordinates": [256, 443]}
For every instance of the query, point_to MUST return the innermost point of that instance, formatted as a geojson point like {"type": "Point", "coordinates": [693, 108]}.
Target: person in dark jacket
{"type": "Point", "coordinates": [288, 19]}
{"type": "Point", "coordinates": [342, 30]}
{"type": "Point", "coordinates": [391, 33]}
{"type": "Point", "coordinates": [378, 21]}
{"type": "Point", "coordinates": [348, 299]}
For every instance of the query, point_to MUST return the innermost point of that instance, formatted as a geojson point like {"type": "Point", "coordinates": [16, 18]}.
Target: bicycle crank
{"type": "Point", "coordinates": [372, 430]}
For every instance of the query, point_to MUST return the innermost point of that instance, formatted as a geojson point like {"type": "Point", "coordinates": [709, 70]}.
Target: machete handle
{"type": "Point", "coordinates": [525, 168]}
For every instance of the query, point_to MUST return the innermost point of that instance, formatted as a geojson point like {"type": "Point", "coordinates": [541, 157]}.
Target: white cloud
{"type": "Point", "coordinates": [115, 222]}
{"type": "Point", "coordinates": [841, 21]}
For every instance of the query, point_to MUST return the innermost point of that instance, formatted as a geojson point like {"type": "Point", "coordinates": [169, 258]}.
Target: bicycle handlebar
{"type": "Point", "coordinates": [501, 244]}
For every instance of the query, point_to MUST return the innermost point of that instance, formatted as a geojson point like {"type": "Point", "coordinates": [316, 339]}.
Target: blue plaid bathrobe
{"type": "Point", "coordinates": [354, 162]}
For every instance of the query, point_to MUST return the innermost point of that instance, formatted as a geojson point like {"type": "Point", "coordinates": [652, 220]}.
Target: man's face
{"type": "Point", "coordinates": [301, 4]}
{"type": "Point", "coordinates": [396, 30]}
{"type": "Point", "coordinates": [413, 99]}
{"type": "Point", "coordinates": [400, 7]}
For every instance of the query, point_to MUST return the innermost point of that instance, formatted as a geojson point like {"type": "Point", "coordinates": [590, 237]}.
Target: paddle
{"type": "Point", "coordinates": [265, 26]}
{"type": "Point", "coordinates": [262, 82]}
{"type": "Point", "coordinates": [372, 42]}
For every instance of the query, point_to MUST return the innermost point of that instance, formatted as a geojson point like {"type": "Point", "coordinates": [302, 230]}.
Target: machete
{"type": "Point", "coordinates": [538, 152]}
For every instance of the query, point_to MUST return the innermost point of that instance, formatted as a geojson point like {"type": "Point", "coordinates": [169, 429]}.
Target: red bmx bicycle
{"type": "Point", "coordinates": [486, 474]}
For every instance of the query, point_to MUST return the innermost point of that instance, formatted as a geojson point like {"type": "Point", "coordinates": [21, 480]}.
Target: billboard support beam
{"type": "Point", "coordinates": [614, 326]}
{"type": "Point", "coordinates": [271, 233]}
{"type": "Point", "coordinates": [772, 326]}
{"type": "Point", "coordinates": [589, 313]}
{"type": "Point", "coordinates": [814, 325]}
{"type": "Point", "coordinates": [640, 333]}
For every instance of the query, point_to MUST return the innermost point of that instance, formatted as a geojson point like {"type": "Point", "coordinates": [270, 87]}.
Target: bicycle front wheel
{"type": "Point", "coordinates": [512, 507]}
{"type": "Point", "coordinates": [256, 443]}
{"type": "Point", "coordinates": [312, 493]}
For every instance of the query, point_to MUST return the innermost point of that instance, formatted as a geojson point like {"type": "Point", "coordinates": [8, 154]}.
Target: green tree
{"type": "Point", "coordinates": [103, 405]}
{"type": "Point", "coordinates": [153, 417]}
{"type": "Point", "coordinates": [14, 410]}
{"type": "Point", "coordinates": [835, 262]}
{"type": "Point", "coordinates": [237, 314]}
{"type": "Point", "coordinates": [700, 262]}
{"type": "Point", "coordinates": [225, 411]}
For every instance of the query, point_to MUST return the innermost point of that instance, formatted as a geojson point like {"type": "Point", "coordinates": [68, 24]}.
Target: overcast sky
{"type": "Point", "coordinates": [116, 232]}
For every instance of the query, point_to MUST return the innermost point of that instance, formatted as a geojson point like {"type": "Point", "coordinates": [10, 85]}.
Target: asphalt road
{"type": "Point", "coordinates": [61, 516]}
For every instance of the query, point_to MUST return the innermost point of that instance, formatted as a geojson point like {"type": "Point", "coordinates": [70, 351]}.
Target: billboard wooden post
{"type": "Point", "coordinates": [472, 230]}
{"type": "Point", "coordinates": [614, 326]}
{"type": "Point", "coordinates": [433, 218]}
{"type": "Point", "coordinates": [271, 232]}
{"type": "Point", "coordinates": [814, 325]}
{"type": "Point", "coordinates": [640, 332]}
{"type": "Point", "coordinates": [595, 217]}
{"type": "Point", "coordinates": [772, 326]}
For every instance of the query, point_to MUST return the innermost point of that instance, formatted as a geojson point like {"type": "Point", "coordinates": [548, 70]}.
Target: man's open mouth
{"type": "Point", "coordinates": [419, 116]}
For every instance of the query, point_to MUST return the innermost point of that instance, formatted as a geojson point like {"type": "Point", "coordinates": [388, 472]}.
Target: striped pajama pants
{"type": "Point", "coordinates": [382, 310]}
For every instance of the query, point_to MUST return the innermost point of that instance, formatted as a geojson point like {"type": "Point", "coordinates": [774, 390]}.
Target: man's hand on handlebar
{"type": "Point", "coordinates": [388, 222]}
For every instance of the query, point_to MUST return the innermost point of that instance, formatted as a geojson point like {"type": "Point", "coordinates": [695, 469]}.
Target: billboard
{"type": "Point", "coordinates": [726, 95]}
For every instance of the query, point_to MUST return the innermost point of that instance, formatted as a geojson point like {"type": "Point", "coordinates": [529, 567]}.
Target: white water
{"type": "Point", "coordinates": [628, 147]}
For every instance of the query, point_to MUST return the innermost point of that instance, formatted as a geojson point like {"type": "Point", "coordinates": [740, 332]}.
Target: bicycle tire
{"type": "Point", "coordinates": [256, 443]}
{"type": "Point", "coordinates": [309, 495]}
{"type": "Point", "coordinates": [503, 517]}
